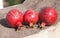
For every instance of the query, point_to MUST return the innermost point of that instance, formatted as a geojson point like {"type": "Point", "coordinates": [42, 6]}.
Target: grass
{"type": "Point", "coordinates": [14, 2]}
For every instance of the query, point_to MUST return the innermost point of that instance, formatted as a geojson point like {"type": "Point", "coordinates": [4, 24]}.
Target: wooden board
{"type": "Point", "coordinates": [37, 5]}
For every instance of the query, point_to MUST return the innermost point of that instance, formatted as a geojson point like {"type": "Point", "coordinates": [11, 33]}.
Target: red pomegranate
{"type": "Point", "coordinates": [48, 16]}
{"type": "Point", "coordinates": [14, 18]}
{"type": "Point", "coordinates": [31, 17]}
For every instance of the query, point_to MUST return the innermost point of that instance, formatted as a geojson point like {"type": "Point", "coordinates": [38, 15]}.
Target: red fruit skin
{"type": "Point", "coordinates": [31, 16]}
{"type": "Point", "coordinates": [14, 18]}
{"type": "Point", "coordinates": [48, 15]}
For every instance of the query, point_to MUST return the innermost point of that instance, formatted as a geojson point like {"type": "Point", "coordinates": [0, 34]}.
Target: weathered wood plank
{"type": "Point", "coordinates": [6, 32]}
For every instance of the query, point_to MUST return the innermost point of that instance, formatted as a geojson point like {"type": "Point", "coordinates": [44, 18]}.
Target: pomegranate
{"type": "Point", "coordinates": [14, 18]}
{"type": "Point", "coordinates": [31, 17]}
{"type": "Point", "coordinates": [48, 16]}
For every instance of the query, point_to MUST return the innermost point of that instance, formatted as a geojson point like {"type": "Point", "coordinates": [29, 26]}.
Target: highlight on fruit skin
{"type": "Point", "coordinates": [31, 17]}
{"type": "Point", "coordinates": [14, 18]}
{"type": "Point", "coordinates": [47, 16]}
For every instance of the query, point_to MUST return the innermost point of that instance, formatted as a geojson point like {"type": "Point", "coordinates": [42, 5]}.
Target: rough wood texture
{"type": "Point", "coordinates": [6, 32]}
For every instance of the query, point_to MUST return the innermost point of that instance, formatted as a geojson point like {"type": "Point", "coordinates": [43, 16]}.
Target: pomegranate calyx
{"type": "Point", "coordinates": [31, 25]}
{"type": "Point", "coordinates": [43, 24]}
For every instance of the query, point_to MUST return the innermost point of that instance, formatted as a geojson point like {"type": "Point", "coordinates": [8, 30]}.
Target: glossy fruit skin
{"type": "Point", "coordinates": [14, 18]}
{"type": "Point", "coordinates": [31, 16]}
{"type": "Point", "coordinates": [48, 15]}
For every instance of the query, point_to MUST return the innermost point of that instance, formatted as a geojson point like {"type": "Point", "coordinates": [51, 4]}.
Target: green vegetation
{"type": "Point", "coordinates": [14, 2]}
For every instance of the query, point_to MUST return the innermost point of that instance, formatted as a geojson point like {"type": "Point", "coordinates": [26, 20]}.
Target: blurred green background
{"type": "Point", "coordinates": [12, 2]}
